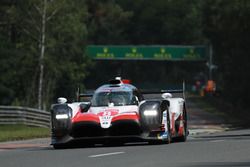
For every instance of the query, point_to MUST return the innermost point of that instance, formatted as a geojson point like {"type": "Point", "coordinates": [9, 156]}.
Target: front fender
{"type": "Point", "coordinates": [151, 114]}
{"type": "Point", "coordinates": [60, 119]}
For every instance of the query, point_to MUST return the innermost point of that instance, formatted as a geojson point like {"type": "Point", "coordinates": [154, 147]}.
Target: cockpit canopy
{"type": "Point", "coordinates": [113, 98]}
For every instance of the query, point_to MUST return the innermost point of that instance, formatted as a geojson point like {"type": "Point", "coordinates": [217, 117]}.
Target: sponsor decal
{"type": "Point", "coordinates": [106, 117]}
{"type": "Point", "coordinates": [108, 112]}
{"type": "Point", "coordinates": [164, 135]}
{"type": "Point", "coordinates": [105, 121]}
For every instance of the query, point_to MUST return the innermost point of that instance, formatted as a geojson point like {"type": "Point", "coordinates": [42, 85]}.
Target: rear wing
{"type": "Point", "coordinates": [79, 95]}
{"type": "Point", "coordinates": [166, 91]}
{"type": "Point", "coordinates": [87, 95]}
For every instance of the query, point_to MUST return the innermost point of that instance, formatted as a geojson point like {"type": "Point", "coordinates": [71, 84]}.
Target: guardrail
{"type": "Point", "coordinates": [24, 115]}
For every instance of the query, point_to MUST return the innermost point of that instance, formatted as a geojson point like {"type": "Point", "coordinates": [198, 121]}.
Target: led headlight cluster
{"type": "Point", "coordinates": [63, 113]}
{"type": "Point", "coordinates": [62, 116]}
{"type": "Point", "coordinates": [150, 113]}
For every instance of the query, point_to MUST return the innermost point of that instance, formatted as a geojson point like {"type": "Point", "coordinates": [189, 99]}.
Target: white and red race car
{"type": "Point", "coordinates": [118, 112]}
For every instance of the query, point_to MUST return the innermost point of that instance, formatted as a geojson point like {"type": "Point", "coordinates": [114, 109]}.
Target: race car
{"type": "Point", "coordinates": [118, 112]}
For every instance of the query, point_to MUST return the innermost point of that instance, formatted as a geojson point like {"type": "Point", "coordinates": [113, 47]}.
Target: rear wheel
{"type": "Point", "coordinates": [183, 138]}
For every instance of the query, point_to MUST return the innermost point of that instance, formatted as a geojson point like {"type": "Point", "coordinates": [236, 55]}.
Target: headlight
{"type": "Point", "coordinates": [62, 116]}
{"type": "Point", "coordinates": [150, 113]}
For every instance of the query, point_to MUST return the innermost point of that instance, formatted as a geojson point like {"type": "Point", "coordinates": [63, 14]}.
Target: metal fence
{"type": "Point", "coordinates": [24, 115]}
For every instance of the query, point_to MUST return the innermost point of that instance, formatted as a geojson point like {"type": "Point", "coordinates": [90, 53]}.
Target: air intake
{"type": "Point", "coordinates": [115, 82]}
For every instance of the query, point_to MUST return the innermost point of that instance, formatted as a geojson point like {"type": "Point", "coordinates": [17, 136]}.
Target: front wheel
{"type": "Point", "coordinates": [168, 141]}
{"type": "Point", "coordinates": [167, 132]}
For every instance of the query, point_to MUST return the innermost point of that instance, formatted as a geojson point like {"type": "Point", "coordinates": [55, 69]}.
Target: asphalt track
{"type": "Point", "coordinates": [210, 144]}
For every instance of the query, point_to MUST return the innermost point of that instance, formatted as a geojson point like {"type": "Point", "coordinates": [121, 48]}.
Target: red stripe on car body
{"type": "Point", "coordinates": [181, 128]}
{"type": "Point", "coordinates": [126, 116]}
{"type": "Point", "coordinates": [85, 117]}
{"type": "Point", "coordinates": [173, 124]}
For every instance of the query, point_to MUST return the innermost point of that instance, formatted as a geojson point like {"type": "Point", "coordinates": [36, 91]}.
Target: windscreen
{"type": "Point", "coordinates": [112, 99]}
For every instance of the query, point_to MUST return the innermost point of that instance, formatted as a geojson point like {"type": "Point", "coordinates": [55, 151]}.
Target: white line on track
{"type": "Point", "coordinates": [106, 154]}
{"type": "Point", "coordinates": [216, 141]}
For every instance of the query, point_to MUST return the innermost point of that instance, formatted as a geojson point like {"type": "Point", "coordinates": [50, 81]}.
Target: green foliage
{"type": "Point", "coordinates": [164, 22]}
{"type": "Point", "coordinates": [64, 47]}
{"type": "Point", "coordinates": [158, 22]}
{"type": "Point", "coordinates": [226, 25]}
{"type": "Point", "coordinates": [106, 22]}
{"type": "Point", "coordinates": [72, 25]}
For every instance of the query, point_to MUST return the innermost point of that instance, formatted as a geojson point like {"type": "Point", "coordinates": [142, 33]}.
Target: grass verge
{"type": "Point", "coordinates": [22, 132]}
{"type": "Point", "coordinates": [206, 105]}
{"type": "Point", "coordinates": [227, 111]}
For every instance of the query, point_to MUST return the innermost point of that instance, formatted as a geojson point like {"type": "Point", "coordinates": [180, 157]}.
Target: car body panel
{"type": "Point", "coordinates": [119, 118]}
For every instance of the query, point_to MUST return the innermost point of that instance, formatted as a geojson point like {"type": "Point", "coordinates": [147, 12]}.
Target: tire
{"type": "Point", "coordinates": [185, 133]}
{"type": "Point", "coordinates": [168, 141]}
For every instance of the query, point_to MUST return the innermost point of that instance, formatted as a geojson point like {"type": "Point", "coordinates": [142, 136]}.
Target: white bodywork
{"type": "Point", "coordinates": [120, 109]}
{"type": "Point", "coordinates": [106, 114]}
{"type": "Point", "coordinates": [175, 109]}
{"type": "Point", "coordinates": [176, 106]}
{"type": "Point", "coordinates": [74, 107]}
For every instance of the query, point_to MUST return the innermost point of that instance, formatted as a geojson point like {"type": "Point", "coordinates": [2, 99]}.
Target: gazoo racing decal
{"type": "Point", "coordinates": [106, 117]}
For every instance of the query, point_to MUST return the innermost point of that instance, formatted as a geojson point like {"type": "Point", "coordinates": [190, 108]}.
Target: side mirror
{"type": "Point", "coordinates": [85, 107]}
{"type": "Point", "coordinates": [61, 100]}
{"type": "Point", "coordinates": [166, 95]}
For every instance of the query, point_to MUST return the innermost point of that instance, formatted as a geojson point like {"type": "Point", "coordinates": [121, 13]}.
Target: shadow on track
{"type": "Point", "coordinates": [220, 164]}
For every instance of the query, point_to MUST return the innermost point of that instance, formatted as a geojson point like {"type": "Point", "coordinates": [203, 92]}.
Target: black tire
{"type": "Point", "coordinates": [185, 133]}
{"type": "Point", "coordinates": [168, 141]}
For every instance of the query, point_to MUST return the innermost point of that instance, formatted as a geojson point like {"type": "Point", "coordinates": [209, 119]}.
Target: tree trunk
{"type": "Point", "coordinates": [41, 60]}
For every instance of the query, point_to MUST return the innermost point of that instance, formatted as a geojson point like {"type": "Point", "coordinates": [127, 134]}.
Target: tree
{"type": "Point", "coordinates": [106, 22]}
{"type": "Point", "coordinates": [36, 15]}
{"type": "Point", "coordinates": [226, 25]}
{"type": "Point", "coordinates": [50, 41]}
{"type": "Point", "coordinates": [158, 22]}
{"type": "Point", "coordinates": [164, 22]}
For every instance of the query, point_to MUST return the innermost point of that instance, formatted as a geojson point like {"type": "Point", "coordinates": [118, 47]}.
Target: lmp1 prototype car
{"type": "Point", "coordinates": [118, 112]}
